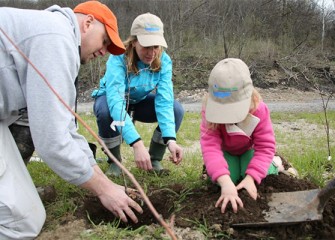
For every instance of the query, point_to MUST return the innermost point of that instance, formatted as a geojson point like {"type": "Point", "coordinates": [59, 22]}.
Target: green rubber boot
{"type": "Point", "coordinates": [113, 169]}
{"type": "Point", "coordinates": [157, 152]}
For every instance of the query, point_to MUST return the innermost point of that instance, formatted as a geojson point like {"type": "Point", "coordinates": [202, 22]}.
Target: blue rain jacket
{"type": "Point", "coordinates": [116, 84]}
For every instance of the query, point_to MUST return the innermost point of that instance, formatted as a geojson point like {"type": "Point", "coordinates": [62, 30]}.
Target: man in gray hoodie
{"type": "Point", "coordinates": [56, 41]}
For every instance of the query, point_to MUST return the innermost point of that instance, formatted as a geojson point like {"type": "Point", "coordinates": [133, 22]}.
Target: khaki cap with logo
{"type": "Point", "coordinates": [229, 92]}
{"type": "Point", "coordinates": [148, 29]}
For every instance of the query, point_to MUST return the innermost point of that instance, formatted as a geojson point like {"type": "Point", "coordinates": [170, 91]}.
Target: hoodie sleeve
{"type": "Point", "coordinates": [264, 145]}
{"type": "Point", "coordinates": [52, 126]}
{"type": "Point", "coordinates": [211, 147]}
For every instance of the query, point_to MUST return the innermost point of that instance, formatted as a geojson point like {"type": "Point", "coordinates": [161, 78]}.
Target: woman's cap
{"type": "Point", "coordinates": [229, 92]}
{"type": "Point", "coordinates": [148, 29]}
{"type": "Point", "coordinates": [104, 15]}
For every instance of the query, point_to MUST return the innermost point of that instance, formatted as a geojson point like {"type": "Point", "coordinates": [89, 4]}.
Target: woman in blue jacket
{"type": "Point", "coordinates": [137, 86]}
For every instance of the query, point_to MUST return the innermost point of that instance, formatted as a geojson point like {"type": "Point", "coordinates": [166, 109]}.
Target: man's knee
{"type": "Point", "coordinates": [18, 224]}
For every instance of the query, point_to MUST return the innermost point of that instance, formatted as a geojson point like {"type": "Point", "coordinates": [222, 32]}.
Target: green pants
{"type": "Point", "coordinates": [238, 165]}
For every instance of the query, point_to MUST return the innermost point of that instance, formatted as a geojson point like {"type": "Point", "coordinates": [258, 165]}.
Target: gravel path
{"type": "Point", "coordinates": [278, 100]}
{"type": "Point", "coordinates": [275, 106]}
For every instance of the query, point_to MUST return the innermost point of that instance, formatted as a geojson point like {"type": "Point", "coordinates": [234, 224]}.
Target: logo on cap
{"type": "Point", "coordinates": [221, 92]}
{"type": "Point", "coordinates": [151, 27]}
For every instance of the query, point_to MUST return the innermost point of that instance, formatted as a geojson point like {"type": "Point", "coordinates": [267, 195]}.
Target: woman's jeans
{"type": "Point", "coordinates": [144, 111]}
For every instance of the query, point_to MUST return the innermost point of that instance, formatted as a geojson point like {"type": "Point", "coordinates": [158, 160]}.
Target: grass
{"type": "Point", "coordinates": [300, 137]}
{"type": "Point", "coordinates": [303, 141]}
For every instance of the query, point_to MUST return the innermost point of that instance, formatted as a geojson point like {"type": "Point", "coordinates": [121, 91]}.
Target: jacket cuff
{"type": "Point", "coordinates": [166, 139]}
{"type": "Point", "coordinates": [131, 144]}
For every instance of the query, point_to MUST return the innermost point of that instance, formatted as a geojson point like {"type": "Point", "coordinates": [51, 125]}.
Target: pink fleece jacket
{"type": "Point", "coordinates": [262, 140]}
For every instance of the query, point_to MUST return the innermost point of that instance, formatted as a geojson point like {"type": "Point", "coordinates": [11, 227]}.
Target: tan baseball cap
{"type": "Point", "coordinates": [104, 15]}
{"type": "Point", "coordinates": [229, 92]}
{"type": "Point", "coordinates": [148, 29]}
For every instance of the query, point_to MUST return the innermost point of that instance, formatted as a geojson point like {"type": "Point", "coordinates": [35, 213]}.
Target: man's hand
{"type": "Point", "coordinates": [112, 196]}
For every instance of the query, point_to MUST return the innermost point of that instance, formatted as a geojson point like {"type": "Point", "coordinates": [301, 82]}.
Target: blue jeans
{"type": "Point", "coordinates": [144, 111]}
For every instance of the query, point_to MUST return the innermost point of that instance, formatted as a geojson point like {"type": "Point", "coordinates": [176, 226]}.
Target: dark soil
{"type": "Point", "coordinates": [192, 207]}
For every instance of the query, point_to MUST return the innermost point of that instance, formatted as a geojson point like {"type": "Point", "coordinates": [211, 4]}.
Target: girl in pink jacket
{"type": "Point", "coordinates": [237, 139]}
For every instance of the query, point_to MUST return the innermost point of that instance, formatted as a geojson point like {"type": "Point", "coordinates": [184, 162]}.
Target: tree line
{"type": "Point", "coordinates": [223, 28]}
{"type": "Point", "coordinates": [286, 23]}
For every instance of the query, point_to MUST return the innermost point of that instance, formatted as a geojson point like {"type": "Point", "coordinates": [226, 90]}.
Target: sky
{"type": "Point", "coordinates": [328, 3]}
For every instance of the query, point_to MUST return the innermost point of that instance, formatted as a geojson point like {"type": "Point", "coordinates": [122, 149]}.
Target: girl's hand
{"type": "Point", "coordinates": [228, 194]}
{"type": "Point", "coordinates": [249, 184]}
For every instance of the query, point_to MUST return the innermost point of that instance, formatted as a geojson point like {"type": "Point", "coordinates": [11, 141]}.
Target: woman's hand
{"type": "Point", "coordinates": [176, 152]}
{"type": "Point", "coordinates": [141, 155]}
{"type": "Point", "coordinates": [249, 184]}
{"type": "Point", "coordinates": [228, 194]}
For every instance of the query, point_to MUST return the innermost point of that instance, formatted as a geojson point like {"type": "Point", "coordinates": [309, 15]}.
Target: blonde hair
{"type": "Point", "coordinates": [132, 57]}
{"type": "Point", "coordinates": [256, 98]}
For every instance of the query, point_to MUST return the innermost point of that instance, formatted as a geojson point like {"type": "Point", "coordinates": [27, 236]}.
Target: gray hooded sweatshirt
{"type": "Point", "coordinates": [50, 39]}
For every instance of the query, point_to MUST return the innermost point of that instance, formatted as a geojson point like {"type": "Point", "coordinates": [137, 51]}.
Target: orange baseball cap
{"type": "Point", "coordinates": [104, 15]}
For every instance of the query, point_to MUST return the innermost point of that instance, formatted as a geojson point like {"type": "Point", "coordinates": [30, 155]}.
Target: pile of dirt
{"type": "Point", "coordinates": [191, 207]}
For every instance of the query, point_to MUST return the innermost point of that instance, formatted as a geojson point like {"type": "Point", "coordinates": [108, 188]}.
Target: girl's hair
{"type": "Point", "coordinates": [256, 98]}
{"type": "Point", "coordinates": [132, 57]}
